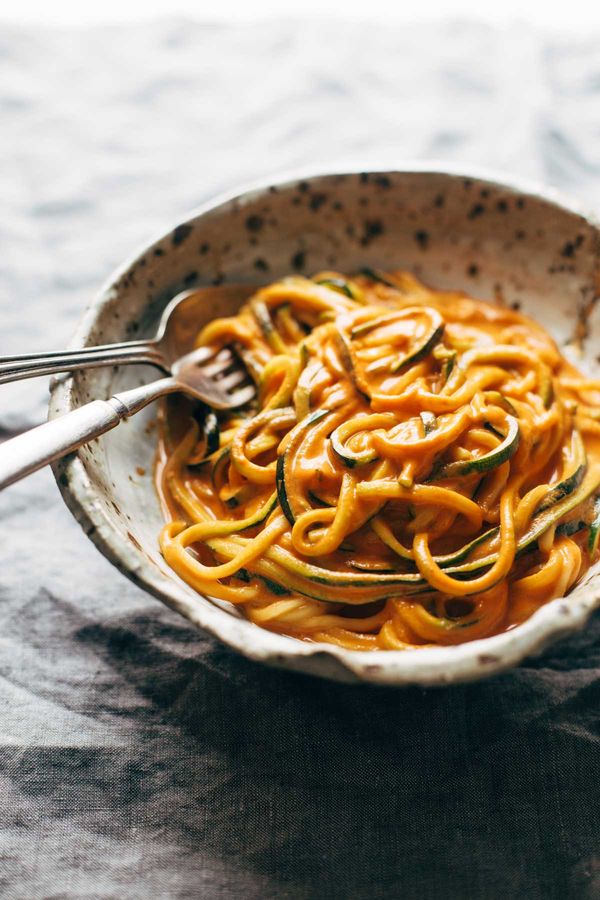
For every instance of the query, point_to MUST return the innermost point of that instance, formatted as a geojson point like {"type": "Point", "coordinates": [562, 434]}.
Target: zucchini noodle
{"type": "Point", "coordinates": [418, 468]}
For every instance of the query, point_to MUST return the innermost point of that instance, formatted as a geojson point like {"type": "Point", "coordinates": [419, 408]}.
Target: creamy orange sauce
{"type": "Point", "coordinates": [419, 467]}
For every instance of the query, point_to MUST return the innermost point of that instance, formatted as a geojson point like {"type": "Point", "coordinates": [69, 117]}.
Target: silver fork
{"type": "Point", "coordinates": [216, 378]}
{"type": "Point", "coordinates": [174, 336]}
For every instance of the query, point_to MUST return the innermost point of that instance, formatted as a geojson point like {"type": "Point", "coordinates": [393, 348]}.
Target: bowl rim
{"type": "Point", "coordinates": [427, 666]}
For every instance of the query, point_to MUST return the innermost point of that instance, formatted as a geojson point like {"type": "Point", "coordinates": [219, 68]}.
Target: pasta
{"type": "Point", "coordinates": [419, 467]}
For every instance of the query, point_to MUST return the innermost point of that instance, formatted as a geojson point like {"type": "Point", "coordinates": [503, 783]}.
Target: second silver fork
{"type": "Point", "coordinates": [174, 336]}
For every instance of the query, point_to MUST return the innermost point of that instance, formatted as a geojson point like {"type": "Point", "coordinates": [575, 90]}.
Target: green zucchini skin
{"type": "Point", "coordinates": [265, 323]}
{"type": "Point", "coordinates": [319, 500]}
{"type": "Point", "coordinates": [594, 535]}
{"type": "Point", "coordinates": [376, 275]}
{"type": "Point", "coordinates": [319, 575]}
{"type": "Point", "coordinates": [371, 324]}
{"type": "Point", "coordinates": [496, 457]}
{"type": "Point", "coordinates": [339, 285]}
{"type": "Point", "coordinates": [343, 348]}
{"type": "Point", "coordinates": [275, 588]}
{"type": "Point", "coordinates": [568, 485]}
{"type": "Point", "coordinates": [564, 488]}
{"type": "Point", "coordinates": [547, 392]}
{"type": "Point", "coordinates": [240, 496]}
{"type": "Point", "coordinates": [539, 524]}
{"type": "Point", "coordinates": [499, 400]}
{"type": "Point", "coordinates": [419, 352]}
{"type": "Point", "coordinates": [403, 583]}
{"type": "Point", "coordinates": [350, 459]}
{"type": "Point", "coordinates": [221, 461]}
{"type": "Point", "coordinates": [429, 422]}
{"type": "Point", "coordinates": [489, 427]}
{"type": "Point", "coordinates": [381, 568]}
{"type": "Point", "coordinates": [284, 460]}
{"type": "Point", "coordinates": [447, 559]}
{"type": "Point", "coordinates": [304, 387]}
{"type": "Point", "coordinates": [263, 513]}
{"type": "Point", "coordinates": [281, 489]}
{"type": "Point", "coordinates": [569, 528]}
{"type": "Point", "coordinates": [422, 350]}
{"type": "Point", "coordinates": [448, 367]}
{"type": "Point", "coordinates": [411, 581]}
{"type": "Point", "coordinates": [463, 552]}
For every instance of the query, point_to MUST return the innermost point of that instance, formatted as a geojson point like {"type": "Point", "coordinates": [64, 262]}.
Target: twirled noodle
{"type": "Point", "coordinates": [419, 467]}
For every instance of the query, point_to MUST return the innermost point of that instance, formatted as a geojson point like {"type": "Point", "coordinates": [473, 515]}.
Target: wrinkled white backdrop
{"type": "Point", "coordinates": [576, 15]}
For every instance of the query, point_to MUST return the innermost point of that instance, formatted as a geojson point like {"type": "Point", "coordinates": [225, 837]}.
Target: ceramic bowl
{"type": "Point", "coordinates": [518, 244]}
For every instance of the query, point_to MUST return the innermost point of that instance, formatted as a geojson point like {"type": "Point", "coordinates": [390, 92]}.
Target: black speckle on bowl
{"type": "Point", "coordinates": [190, 278]}
{"type": "Point", "coordinates": [422, 238]}
{"type": "Point", "coordinates": [261, 264]}
{"type": "Point", "coordinates": [519, 234]}
{"type": "Point", "coordinates": [303, 187]}
{"type": "Point", "coordinates": [158, 251]}
{"type": "Point", "coordinates": [298, 260]}
{"type": "Point", "coordinates": [476, 210]}
{"type": "Point", "coordinates": [134, 541]}
{"type": "Point", "coordinates": [439, 201]}
{"type": "Point", "coordinates": [502, 206]}
{"type": "Point", "coordinates": [372, 229]}
{"type": "Point", "coordinates": [571, 247]}
{"type": "Point", "coordinates": [181, 234]}
{"type": "Point", "coordinates": [382, 181]}
{"type": "Point", "coordinates": [473, 270]}
{"type": "Point", "coordinates": [254, 223]}
{"type": "Point", "coordinates": [316, 201]}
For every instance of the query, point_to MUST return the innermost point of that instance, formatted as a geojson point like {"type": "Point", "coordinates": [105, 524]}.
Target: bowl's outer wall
{"type": "Point", "coordinates": [456, 232]}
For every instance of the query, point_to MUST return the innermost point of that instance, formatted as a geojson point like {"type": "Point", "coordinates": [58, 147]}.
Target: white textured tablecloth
{"type": "Point", "coordinates": [137, 757]}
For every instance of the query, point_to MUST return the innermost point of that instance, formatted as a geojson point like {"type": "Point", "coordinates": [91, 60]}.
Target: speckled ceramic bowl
{"type": "Point", "coordinates": [521, 244]}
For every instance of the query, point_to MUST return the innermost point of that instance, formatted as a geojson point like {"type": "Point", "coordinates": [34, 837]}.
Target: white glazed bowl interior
{"type": "Point", "coordinates": [455, 231]}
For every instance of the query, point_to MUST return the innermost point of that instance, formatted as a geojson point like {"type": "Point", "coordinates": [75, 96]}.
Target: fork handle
{"type": "Point", "coordinates": [28, 452]}
{"type": "Point", "coordinates": [30, 365]}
